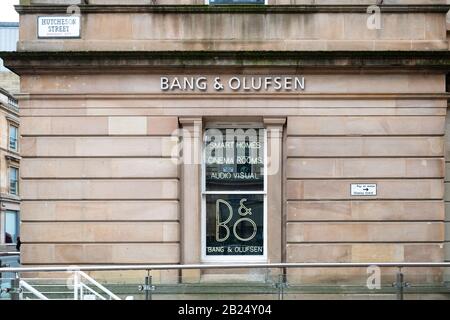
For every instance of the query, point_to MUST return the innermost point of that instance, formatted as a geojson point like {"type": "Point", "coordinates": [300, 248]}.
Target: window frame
{"type": "Point", "coordinates": [12, 124]}
{"type": "Point", "coordinates": [17, 180]}
{"type": "Point", "coordinates": [266, 2]}
{"type": "Point", "coordinates": [232, 258]}
{"type": "Point", "coordinates": [17, 222]}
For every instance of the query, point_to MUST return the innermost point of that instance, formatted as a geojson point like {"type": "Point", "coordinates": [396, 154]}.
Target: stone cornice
{"type": "Point", "coordinates": [6, 93]}
{"type": "Point", "coordinates": [61, 9]}
{"type": "Point", "coordinates": [5, 197]}
{"type": "Point", "coordinates": [274, 121]}
{"type": "Point", "coordinates": [190, 120]}
{"type": "Point", "coordinates": [212, 61]}
{"type": "Point", "coordinates": [218, 96]}
{"type": "Point", "coordinates": [9, 109]}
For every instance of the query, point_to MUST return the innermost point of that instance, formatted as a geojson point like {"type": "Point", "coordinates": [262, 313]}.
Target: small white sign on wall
{"type": "Point", "coordinates": [59, 27]}
{"type": "Point", "coordinates": [363, 189]}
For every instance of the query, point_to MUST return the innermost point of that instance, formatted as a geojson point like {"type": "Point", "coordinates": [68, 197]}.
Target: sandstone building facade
{"type": "Point", "coordinates": [339, 98]}
{"type": "Point", "coordinates": [9, 172]}
{"type": "Point", "coordinates": [9, 34]}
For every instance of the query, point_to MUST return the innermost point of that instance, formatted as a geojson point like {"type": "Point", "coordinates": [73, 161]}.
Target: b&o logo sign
{"type": "Point", "coordinates": [234, 199]}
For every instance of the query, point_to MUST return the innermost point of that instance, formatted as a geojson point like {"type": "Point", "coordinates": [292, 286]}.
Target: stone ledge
{"type": "Point", "coordinates": [108, 61]}
{"type": "Point", "coordinates": [9, 197]}
{"type": "Point", "coordinates": [260, 55]}
{"type": "Point", "coordinates": [261, 9]}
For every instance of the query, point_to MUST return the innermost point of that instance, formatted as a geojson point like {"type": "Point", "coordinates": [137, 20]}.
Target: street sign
{"type": "Point", "coordinates": [59, 27]}
{"type": "Point", "coordinates": [363, 189]}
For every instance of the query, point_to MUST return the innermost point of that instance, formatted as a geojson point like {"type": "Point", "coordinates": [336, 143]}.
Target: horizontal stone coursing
{"type": "Point", "coordinates": [104, 189]}
{"type": "Point", "coordinates": [100, 253]}
{"type": "Point", "coordinates": [80, 232]}
{"type": "Point", "coordinates": [365, 231]}
{"type": "Point", "coordinates": [114, 210]}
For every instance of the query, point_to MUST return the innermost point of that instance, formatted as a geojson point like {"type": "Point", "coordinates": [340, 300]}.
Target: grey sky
{"type": "Point", "coordinates": [7, 12]}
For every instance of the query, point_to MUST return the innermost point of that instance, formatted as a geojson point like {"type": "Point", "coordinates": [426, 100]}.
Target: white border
{"type": "Point", "coordinates": [234, 258]}
{"type": "Point", "coordinates": [266, 2]}
{"type": "Point", "coordinates": [363, 195]}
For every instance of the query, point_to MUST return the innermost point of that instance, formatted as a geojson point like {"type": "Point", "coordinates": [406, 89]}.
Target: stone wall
{"type": "Point", "coordinates": [240, 31]}
{"type": "Point", "coordinates": [97, 182]}
{"type": "Point", "coordinates": [97, 186]}
{"type": "Point", "coordinates": [10, 82]}
{"type": "Point", "coordinates": [269, 2]}
{"type": "Point", "coordinates": [97, 192]}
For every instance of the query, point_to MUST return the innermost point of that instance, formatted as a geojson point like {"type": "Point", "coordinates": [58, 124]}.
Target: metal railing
{"type": "Point", "coordinates": [80, 288]}
{"type": "Point", "coordinates": [8, 100]}
{"type": "Point", "coordinates": [12, 103]}
{"type": "Point", "coordinates": [31, 289]}
{"type": "Point", "coordinates": [7, 253]}
{"type": "Point", "coordinates": [82, 285]}
{"type": "Point", "coordinates": [230, 266]}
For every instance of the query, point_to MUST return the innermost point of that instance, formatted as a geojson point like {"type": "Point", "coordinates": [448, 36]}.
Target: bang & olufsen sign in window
{"type": "Point", "coordinates": [234, 194]}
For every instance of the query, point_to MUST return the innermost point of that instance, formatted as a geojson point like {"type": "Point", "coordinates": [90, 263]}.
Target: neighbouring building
{"type": "Point", "coordinates": [9, 172]}
{"type": "Point", "coordinates": [291, 131]}
{"type": "Point", "coordinates": [9, 144]}
{"type": "Point", "coordinates": [9, 35]}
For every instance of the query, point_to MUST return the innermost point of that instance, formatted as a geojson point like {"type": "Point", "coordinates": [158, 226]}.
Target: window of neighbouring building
{"type": "Point", "coordinates": [13, 137]}
{"type": "Point", "coordinates": [13, 180]}
{"type": "Point", "coordinates": [11, 226]}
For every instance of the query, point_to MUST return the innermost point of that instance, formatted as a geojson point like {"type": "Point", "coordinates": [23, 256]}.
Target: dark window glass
{"type": "Point", "coordinates": [13, 181]}
{"type": "Point", "coordinates": [234, 159]}
{"type": "Point", "coordinates": [13, 135]}
{"type": "Point", "coordinates": [11, 226]}
{"type": "Point", "coordinates": [234, 224]}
